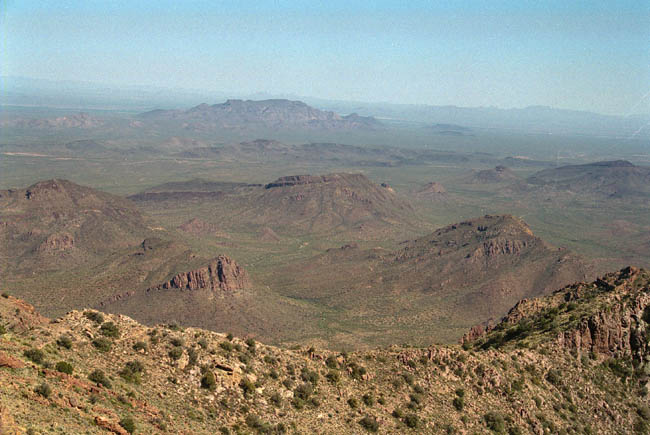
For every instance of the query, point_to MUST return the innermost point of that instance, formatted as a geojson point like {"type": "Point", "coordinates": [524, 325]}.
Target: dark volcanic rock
{"type": "Point", "coordinates": [222, 274]}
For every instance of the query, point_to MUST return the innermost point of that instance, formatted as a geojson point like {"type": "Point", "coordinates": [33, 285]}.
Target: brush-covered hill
{"type": "Point", "coordinates": [88, 372]}
{"type": "Point", "coordinates": [57, 223]}
{"type": "Point", "coordinates": [614, 179]}
{"type": "Point", "coordinates": [498, 174]}
{"type": "Point", "coordinates": [274, 114]}
{"type": "Point", "coordinates": [433, 287]}
{"type": "Point", "coordinates": [338, 203]}
{"type": "Point", "coordinates": [67, 246]}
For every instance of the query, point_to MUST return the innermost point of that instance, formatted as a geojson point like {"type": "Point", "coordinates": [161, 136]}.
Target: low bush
{"type": "Point", "coordinates": [132, 372]}
{"type": "Point", "coordinates": [369, 423]}
{"type": "Point", "coordinates": [110, 329]}
{"type": "Point", "coordinates": [36, 355]}
{"type": "Point", "coordinates": [64, 367]}
{"type": "Point", "coordinates": [176, 353]}
{"type": "Point", "coordinates": [95, 316]}
{"type": "Point", "coordinates": [128, 424]}
{"type": "Point", "coordinates": [64, 341]}
{"type": "Point", "coordinates": [44, 390]}
{"type": "Point", "coordinates": [495, 422]}
{"type": "Point", "coordinates": [99, 377]}
{"type": "Point", "coordinates": [102, 344]}
{"type": "Point", "coordinates": [140, 345]}
{"type": "Point", "coordinates": [208, 381]}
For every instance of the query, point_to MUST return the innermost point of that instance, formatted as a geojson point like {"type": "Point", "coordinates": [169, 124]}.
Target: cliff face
{"type": "Point", "coordinates": [608, 317]}
{"type": "Point", "coordinates": [221, 274]}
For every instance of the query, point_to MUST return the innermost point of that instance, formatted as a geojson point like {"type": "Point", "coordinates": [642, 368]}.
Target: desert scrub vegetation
{"type": "Point", "coordinates": [102, 344]}
{"type": "Point", "coordinates": [35, 355]}
{"type": "Point", "coordinates": [247, 386]}
{"type": "Point", "coordinates": [43, 390]}
{"type": "Point", "coordinates": [208, 381]}
{"type": "Point", "coordinates": [140, 345]}
{"type": "Point", "coordinates": [64, 341]}
{"type": "Point", "coordinates": [64, 367]}
{"type": "Point", "coordinates": [99, 377]}
{"type": "Point", "coordinates": [128, 424]}
{"type": "Point", "coordinates": [176, 353]}
{"type": "Point", "coordinates": [132, 372]}
{"type": "Point", "coordinates": [95, 316]}
{"type": "Point", "coordinates": [369, 423]}
{"type": "Point", "coordinates": [110, 329]}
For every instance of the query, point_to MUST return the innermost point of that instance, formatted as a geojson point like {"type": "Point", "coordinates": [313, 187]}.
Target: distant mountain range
{"type": "Point", "coordinates": [239, 114]}
{"type": "Point", "coordinates": [22, 91]}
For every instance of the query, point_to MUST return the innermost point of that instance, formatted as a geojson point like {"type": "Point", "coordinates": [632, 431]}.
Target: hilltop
{"type": "Point", "coordinates": [57, 222]}
{"type": "Point", "coordinates": [93, 373]}
{"type": "Point", "coordinates": [276, 114]}
{"type": "Point", "coordinates": [295, 204]}
{"type": "Point", "coordinates": [613, 179]}
{"type": "Point", "coordinates": [433, 287]}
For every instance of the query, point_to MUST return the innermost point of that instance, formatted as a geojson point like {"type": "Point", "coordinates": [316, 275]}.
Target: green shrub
{"type": "Point", "coordinates": [303, 391]}
{"type": "Point", "coordinates": [100, 378]}
{"type": "Point", "coordinates": [36, 355]}
{"type": "Point", "coordinates": [331, 362]}
{"type": "Point", "coordinates": [95, 316]}
{"type": "Point", "coordinates": [250, 342]}
{"type": "Point", "coordinates": [309, 376]}
{"type": "Point", "coordinates": [398, 413]}
{"type": "Point", "coordinates": [368, 399]}
{"type": "Point", "coordinates": [254, 422]}
{"type": "Point", "coordinates": [229, 337]}
{"type": "Point", "coordinates": [226, 345]}
{"type": "Point", "coordinates": [140, 345]}
{"type": "Point", "coordinates": [333, 376]}
{"type": "Point", "coordinates": [64, 341]}
{"type": "Point", "coordinates": [177, 341]}
{"type": "Point", "coordinates": [3, 330]}
{"type": "Point", "coordinates": [110, 329]}
{"type": "Point", "coordinates": [132, 372]}
{"type": "Point", "coordinates": [353, 403]}
{"type": "Point", "coordinates": [176, 353]}
{"type": "Point", "coordinates": [418, 389]}
{"type": "Point", "coordinates": [102, 344]}
{"type": "Point", "coordinates": [44, 390]}
{"type": "Point", "coordinates": [412, 421]}
{"type": "Point", "coordinates": [494, 421]}
{"type": "Point", "coordinates": [128, 424]}
{"type": "Point", "coordinates": [247, 386]}
{"type": "Point", "coordinates": [203, 343]}
{"type": "Point", "coordinates": [276, 399]}
{"type": "Point", "coordinates": [64, 367]}
{"type": "Point", "coordinates": [208, 381]}
{"type": "Point", "coordinates": [554, 376]}
{"type": "Point", "coordinates": [369, 423]}
{"type": "Point", "coordinates": [459, 403]}
{"type": "Point", "coordinates": [5, 295]}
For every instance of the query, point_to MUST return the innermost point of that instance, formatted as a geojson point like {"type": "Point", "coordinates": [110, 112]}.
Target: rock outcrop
{"type": "Point", "coordinates": [221, 274]}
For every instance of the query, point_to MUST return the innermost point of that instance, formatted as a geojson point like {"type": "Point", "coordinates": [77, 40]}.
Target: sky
{"type": "Point", "coordinates": [584, 55]}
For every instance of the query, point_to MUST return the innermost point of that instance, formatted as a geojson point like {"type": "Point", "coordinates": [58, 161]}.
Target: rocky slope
{"type": "Point", "coordinates": [93, 373]}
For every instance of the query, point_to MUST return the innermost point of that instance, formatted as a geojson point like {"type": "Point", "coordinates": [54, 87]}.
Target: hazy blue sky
{"type": "Point", "coordinates": [590, 55]}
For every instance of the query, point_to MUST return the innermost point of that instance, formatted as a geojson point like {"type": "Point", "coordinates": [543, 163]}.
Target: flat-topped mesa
{"type": "Point", "coordinates": [221, 274]}
{"type": "Point", "coordinates": [295, 180]}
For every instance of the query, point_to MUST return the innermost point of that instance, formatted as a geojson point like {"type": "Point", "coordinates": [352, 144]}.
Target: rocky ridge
{"type": "Point", "coordinates": [120, 375]}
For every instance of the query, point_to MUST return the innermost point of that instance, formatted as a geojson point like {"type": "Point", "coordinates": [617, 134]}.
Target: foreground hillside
{"type": "Point", "coordinates": [93, 373]}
